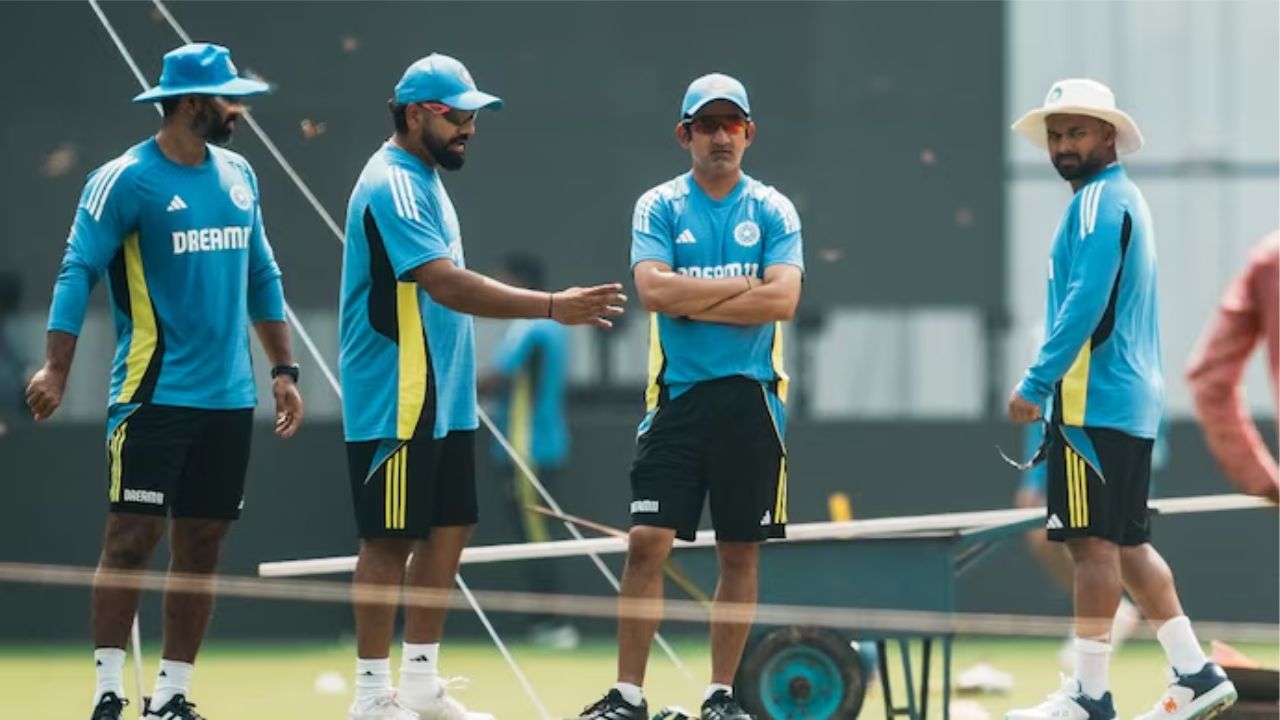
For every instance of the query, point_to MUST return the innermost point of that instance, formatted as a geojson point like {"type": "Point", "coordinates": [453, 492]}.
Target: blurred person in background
{"type": "Point", "coordinates": [529, 376]}
{"type": "Point", "coordinates": [1247, 316]}
{"type": "Point", "coordinates": [1100, 364]}
{"type": "Point", "coordinates": [176, 226]}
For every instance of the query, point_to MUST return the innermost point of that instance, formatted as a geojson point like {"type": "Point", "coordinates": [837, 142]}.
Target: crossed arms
{"type": "Point", "coordinates": [740, 300]}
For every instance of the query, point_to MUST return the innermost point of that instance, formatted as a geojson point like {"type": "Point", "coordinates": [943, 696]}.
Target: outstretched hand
{"type": "Point", "coordinates": [588, 306]}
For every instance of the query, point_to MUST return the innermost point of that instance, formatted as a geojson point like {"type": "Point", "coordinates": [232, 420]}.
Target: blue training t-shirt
{"type": "Point", "coordinates": [403, 358]}
{"type": "Point", "coordinates": [752, 228]}
{"type": "Point", "coordinates": [1100, 361]}
{"type": "Point", "coordinates": [188, 266]}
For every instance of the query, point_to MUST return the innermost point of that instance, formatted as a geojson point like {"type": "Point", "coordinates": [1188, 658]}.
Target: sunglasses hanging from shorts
{"type": "Point", "coordinates": [709, 124]}
{"type": "Point", "coordinates": [1041, 453]}
{"type": "Point", "coordinates": [453, 115]}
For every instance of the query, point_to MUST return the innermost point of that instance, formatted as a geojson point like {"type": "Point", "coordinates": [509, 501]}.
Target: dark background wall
{"type": "Point", "coordinates": [848, 98]}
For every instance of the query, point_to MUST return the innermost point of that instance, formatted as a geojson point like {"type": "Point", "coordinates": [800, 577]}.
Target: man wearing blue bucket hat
{"type": "Point", "coordinates": [717, 258]}
{"type": "Point", "coordinates": [175, 226]}
{"type": "Point", "coordinates": [407, 363]}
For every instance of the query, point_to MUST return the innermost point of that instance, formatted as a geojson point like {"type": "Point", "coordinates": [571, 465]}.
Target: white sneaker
{"type": "Point", "coordinates": [984, 678]}
{"type": "Point", "coordinates": [383, 707]}
{"type": "Point", "coordinates": [442, 706]}
{"type": "Point", "coordinates": [555, 636]}
{"type": "Point", "coordinates": [1068, 702]}
{"type": "Point", "coordinates": [1198, 696]}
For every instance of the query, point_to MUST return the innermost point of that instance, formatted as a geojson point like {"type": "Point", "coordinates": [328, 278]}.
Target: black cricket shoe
{"type": "Point", "coordinates": [614, 707]}
{"type": "Point", "coordinates": [722, 706]}
{"type": "Point", "coordinates": [176, 709]}
{"type": "Point", "coordinates": [109, 707]}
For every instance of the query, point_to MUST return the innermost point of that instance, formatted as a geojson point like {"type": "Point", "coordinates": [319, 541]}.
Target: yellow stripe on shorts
{"type": "Point", "coordinates": [403, 466]}
{"type": "Point", "coordinates": [1073, 517]}
{"type": "Point", "coordinates": [780, 500]}
{"type": "Point", "coordinates": [115, 457]}
{"type": "Point", "coordinates": [1083, 473]}
{"type": "Point", "coordinates": [1077, 489]}
{"type": "Point", "coordinates": [395, 472]}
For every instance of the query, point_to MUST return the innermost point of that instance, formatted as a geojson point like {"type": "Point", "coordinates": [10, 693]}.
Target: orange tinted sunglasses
{"type": "Point", "coordinates": [709, 124]}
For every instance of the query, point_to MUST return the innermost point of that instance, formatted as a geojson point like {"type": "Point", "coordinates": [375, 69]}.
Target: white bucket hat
{"type": "Point", "coordinates": [1080, 96]}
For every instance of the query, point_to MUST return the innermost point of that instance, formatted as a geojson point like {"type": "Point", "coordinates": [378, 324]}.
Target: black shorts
{"type": "Point", "coordinates": [1111, 506]}
{"type": "Point", "coordinates": [718, 437]}
{"type": "Point", "coordinates": [185, 462]}
{"type": "Point", "coordinates": [403, 488]}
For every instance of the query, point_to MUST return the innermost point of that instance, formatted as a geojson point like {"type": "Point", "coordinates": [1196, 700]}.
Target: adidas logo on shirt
{"type": "Point", "coordinates": [176, 204]}
{"type": "Point", "coordinates": [686, 238]}
{"type": "Point", "coordinates": [1054, 522]}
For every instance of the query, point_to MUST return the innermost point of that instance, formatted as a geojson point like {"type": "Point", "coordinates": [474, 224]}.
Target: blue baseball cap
{"type": "Point", "coordinates": [710, 88]}
{"type": "Point", "coordinates": [440, 78]}
{"type": "Point", "coordinates": [201, 69]}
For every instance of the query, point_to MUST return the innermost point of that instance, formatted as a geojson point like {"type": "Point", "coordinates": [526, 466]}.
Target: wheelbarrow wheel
{"type": "Point", "coordinates": [800, 673]}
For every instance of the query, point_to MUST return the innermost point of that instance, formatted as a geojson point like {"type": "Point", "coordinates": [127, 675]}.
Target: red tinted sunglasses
{"type": "Point", "coordinates": [709, 124]}
{"type": "Point", "coordinates": [453, 115]}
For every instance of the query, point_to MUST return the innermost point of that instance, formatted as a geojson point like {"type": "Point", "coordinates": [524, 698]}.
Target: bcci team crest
{"type": "Point", "coordinates": [747, 233]}
{"type": "Point", "coordinates": [241, 196]}
{"type": "Point", "coordinates": [1054, 95]}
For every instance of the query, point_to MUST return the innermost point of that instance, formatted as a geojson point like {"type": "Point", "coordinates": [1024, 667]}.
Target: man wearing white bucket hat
{"type": "Point", "coordinates": [1099, 371]}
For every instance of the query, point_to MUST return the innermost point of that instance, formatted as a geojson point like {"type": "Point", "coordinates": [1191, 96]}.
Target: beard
{"type": "Point", "coordinates": [447, 159]}
{"type": "Point", "coordinates": [211, 126]}
{"type": "Point", "coordinates": [1083, 167]}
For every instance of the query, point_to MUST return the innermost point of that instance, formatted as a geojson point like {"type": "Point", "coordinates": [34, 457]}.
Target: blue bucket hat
{"type": "Point", "coordinates": [710, 88]}
{"type": "Point", "coordinates": [201, 69]}
{"type": "Point", "coordinates": [440, 78]}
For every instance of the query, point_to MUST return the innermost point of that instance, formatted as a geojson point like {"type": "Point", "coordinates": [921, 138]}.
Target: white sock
{"type": "Point", "coordinates": [1181, 646]}
{"type": "Point", "coordinates": [420, 670]}
{"type": "Point", "coordinates": [714, 688]}
{"type": "Point", "coordinates": [631, 693]}
{"type": "Point", "coordinates": [373, 678]}
{"type": "Point", "coordinates": [1093, 661]}
{"type": "Point", "coordinates": [109, 665]}
{"type": "Point", "coordinates": [173, 679]}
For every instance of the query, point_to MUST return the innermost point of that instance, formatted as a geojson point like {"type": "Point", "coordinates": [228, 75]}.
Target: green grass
{"type": "Point", "coordinates": [239, 681]}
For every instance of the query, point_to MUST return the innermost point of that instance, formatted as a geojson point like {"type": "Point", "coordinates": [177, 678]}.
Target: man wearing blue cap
{"type": "Point", "coordinates": [716, 257]}
{"type": "Point", "coordinates": [175, 225]}
{"type": "Point", "coordinates": [407, 362]}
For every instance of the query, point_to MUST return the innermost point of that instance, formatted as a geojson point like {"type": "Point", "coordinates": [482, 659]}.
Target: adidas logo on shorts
{"type": "Point", "coordinates": [1053, 523]}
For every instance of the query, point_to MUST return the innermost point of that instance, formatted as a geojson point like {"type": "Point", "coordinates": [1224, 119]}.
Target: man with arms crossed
{"type": "Point", "coordinates": [717, 259]}
{"type": "Point", "coordinates": [1099, 368]}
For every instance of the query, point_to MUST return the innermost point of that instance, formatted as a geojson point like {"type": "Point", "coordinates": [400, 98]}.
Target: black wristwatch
{"type": "Point", "coordinates": [290, 370]}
